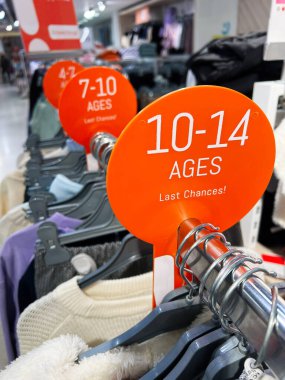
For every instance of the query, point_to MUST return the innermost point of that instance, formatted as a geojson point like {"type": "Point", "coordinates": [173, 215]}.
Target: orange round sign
{"type": "Point", "coordinates": [57, 77]}
{"type": "Point", "coordinates": [205, 152]}
{"type": "Point", "coordinates": [98, 99]}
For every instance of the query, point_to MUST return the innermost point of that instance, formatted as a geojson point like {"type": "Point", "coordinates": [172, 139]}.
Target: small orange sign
{"type": "Point", "coordinates": [98, 99]}
{"type": "Point", "coordinates": [57, 77]}
{"type": "Point", "coordinates": [204, 152]}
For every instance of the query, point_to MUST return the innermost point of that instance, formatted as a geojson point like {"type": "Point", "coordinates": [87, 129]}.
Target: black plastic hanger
{"type": "Point", "coordinates": [92, 177]}
{"type": "Point", "coordinates": [55, 253]}
{"type": "Point", "coordinates": [164, 318]}
{"type": "Point", "coordinates": [71, 159]}
{"type": "Point", "coordinates": [197, 355]}
{"type": "Point", "coordinates": [37, 177]}
{"type": "Point", "coordinates": [38, 208]}
{"type": "Point", "coordinates": [101, 217]}
{"type": "Point", "coordinates": [174, 355]}
{"type": "Point", "coordinates": [131, 250]}
{"type": "Point", "coordinates": [53, 243]}
{"type": "Point", "coordinates": [70, 204]}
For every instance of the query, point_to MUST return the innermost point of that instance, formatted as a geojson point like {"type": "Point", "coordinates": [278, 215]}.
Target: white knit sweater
{"type": "Point", "coordinates": [96, 314]}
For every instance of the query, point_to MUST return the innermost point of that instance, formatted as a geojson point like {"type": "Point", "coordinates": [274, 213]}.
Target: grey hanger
{"type": "Point", "coordinates": [175, 294]}
{"type": "Point", "coordinates": [36, 177]}
{"type": "Point", "coordinates": [164, 318]}
{"type": "Point", "coordinates": [102, 216]}
{"type": "Point", "coordinates": [102, 223]}
{"type": "Point", "coordinates": [82, 205]}
{"type": "Point", "coordinates": [174, 355]}
{"type": "Point", "coordinates": [53, 243]}
{"type": "Point", "coordinates": [38, 208]}
{"type": "Point", "coordinates": [88, 204]}
{"type": "Point", "coordinates": [228, 361]}
{"type": "Point", "coordinates": [197, 354]}
{"type": "Point", "coordinates": [69, 160]}
{"type": "Point", "coordinates": [131, 250]}
{"type": "Point", "coordinates": [33, 141]}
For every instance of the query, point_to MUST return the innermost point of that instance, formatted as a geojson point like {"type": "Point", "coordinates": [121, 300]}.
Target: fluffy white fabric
{"type": "Point", "coordinates": [279, 206]}
{"type": "Point", "coordinates": [56, 360]}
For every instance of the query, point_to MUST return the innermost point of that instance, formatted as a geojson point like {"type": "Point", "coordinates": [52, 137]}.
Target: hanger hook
{"type": "Point", "coordinates": [191, 233]}
{"type": "Point", "coordinates": [230, 266]}
{"type": "Point", "coordinates": [182, 267]}
{"type": "Point", "coordinates": [205, 277]}
{"type": "Point", "coordinates": [202, 240]}
{"type": "Point", "coordinates": [270, 327]}
{"type": "Point", "coordinates": [227, 297]}
{"type": "Point", "coordinates": [106, 155]}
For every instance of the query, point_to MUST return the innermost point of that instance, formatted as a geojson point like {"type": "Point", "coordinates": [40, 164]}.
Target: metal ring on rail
{"type": "Point", "coordinates": [234, 264]}
{"type": "Point", "coordinates": [271, 324]}
{"type": "Point", "coordinates": [191, 233]}
{"type": "Point", "coordinates": [244, 277]}
{"type": "Point", "coordinates": [105, 141]}
{"type": "Point", "coordinates": [211, 268]}
{"type": "Point", "coordinates": [96, 144]}
{"type": "Point", "coordinates": [103, 158]}
{"type": "Point", "coordinates": [202, 240]}
{"type": "Point", "coordinates": [100, 140]}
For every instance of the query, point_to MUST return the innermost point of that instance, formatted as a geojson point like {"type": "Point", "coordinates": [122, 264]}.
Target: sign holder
{"type": "Point", "coordinates": [95, 107]}
{"type": "Point", "coordinates": [205, 152]}
{"type": "Point", "coordinates": [56, 78]}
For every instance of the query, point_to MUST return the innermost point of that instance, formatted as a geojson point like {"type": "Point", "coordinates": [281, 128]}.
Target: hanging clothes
{"type": "Point", "coordinates": [12, 189]}
{"type": "Point", "coordinates": [64, 188]}
{"type": "Point", "coordinates": [15, 220]}
{"type": "Point", "coordinates": [48, 277]}
{"type": "Point", "coordinates": [98, 313]}
{"type": "Point", "coordinates": [45, 121]}
{"type": "Point", "coordinates": [15, 257]}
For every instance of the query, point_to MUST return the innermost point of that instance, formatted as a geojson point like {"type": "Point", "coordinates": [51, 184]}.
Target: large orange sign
{"type": "Point", "coordinates": [98, 99]}
{"type": "Point", "coordinates": [57, 77]}
{"type": "Point", "coordinates": [47, 25]}
{"type": "Point", "coordinates": [205, 152]}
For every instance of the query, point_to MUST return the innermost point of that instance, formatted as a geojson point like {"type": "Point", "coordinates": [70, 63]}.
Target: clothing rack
{"type": "Point", "coordinates": [199, 245]}
{"type": "Point", "coordinates": [251, 305]}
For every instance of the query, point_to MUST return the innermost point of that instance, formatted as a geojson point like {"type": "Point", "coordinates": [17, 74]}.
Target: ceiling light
{"type": "Point", "coordinates": [101, 6]}
{"type": "Point", "coordinates": [16, 23]}
{"type": "Point", "coordinates": [2, 15]}
{"type": "Point", "coordinates": [90, 13]}
{"type": "Point", "coordinates": [9, 28]}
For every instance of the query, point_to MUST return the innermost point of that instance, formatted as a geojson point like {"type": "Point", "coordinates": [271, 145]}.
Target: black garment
{"type": "Point", "coordinates": [36, 89]}
{"type": "Point", "coordinates": [232, 58]}
{"type": "Point", "coordinates": [6, 69]}
{"type": "Point", "coordinates": [26, 290]}
{"type": "Point", "coordinates": [48, 277]}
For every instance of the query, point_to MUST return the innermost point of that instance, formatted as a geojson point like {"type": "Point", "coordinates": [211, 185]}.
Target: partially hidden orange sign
{"type": "Point", "coordinates": [205, 152]}
{"type": "Point", "coordinates": [98, 99]}
{"type": "Point", "coordinates": [57, 77]}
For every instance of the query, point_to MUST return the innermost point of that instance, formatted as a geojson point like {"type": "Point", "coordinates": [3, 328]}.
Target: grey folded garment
{"type": "Point", "coordinates": [48, 277]}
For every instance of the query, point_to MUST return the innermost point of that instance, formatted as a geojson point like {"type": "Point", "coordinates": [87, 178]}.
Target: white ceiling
{"type": "Point", "coordinates": [111, 5]}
